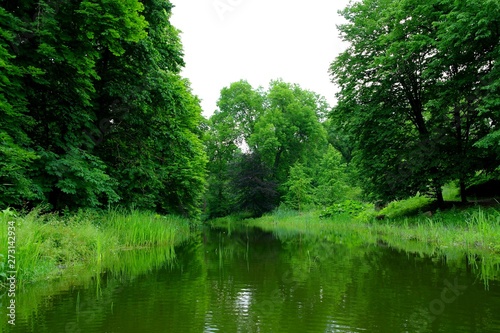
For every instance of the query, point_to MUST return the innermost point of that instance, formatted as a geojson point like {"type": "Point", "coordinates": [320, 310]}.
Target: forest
{"type": "Point", "coordinates": [124, 209]}
{"type": "Point", "coordinates": [95, 113]}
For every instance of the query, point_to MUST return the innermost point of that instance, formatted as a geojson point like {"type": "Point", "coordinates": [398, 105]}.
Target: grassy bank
{"type": "Point", "coordinates": [49, 246]}
{"type": "Point", "coordinates": [472, 234]}
{"type": "Point", "coordinates": [473, 228]}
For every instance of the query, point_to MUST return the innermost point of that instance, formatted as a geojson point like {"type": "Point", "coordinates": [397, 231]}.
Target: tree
{"type": "Point", "coordinates": [15, 152]}
{"type": "Point", "coordinates": [330, 183]}
{"type": "Point", "coordinates": [399, 98]}
{"type": "Point", "coordinates": [289, 129]}
{"type": "Point", "coordinates": [62, 42]}
{"type": "Point", "coordinates": [101, 114]}
{"type": "Point", "coordinates": [338, 136]}
{"type": "Point", "coordinates": [252, 183]}
{"type": "Point", "coordinates": [299, 188]}
{"type": "Point", "coordinates": [469, 44]}
{"type": "Point", "coordinates": [152, 139]}
{"type": "Point", "coordinates": [240, 106]}
{"type": "Point", "coordinates": [261, 134]}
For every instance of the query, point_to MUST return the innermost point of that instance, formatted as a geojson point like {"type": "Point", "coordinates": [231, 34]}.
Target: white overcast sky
{"type": "Point", "coordinates": [258, 40]}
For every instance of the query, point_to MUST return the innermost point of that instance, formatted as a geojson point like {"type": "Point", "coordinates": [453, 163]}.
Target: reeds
{"type": "Point", "coordinates": [47, 245]}
{"type": "Point", "coordinates": [473, 233]}
{"type": "Point", "coordinates": [474, 228]}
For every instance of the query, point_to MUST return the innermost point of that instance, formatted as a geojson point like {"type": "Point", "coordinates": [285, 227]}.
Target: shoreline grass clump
{"type": "Point", "coordinates": [49, 245]}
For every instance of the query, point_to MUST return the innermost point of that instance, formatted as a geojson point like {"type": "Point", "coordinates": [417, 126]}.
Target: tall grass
{"type": "Point", "coordinates": [474, 231]}
{"type": "Point", "coordinates": [48, 245]}
{"type": "Point", "coordinates": [473, 228]}
{"type": "Point", "coordinates": [141, 229]}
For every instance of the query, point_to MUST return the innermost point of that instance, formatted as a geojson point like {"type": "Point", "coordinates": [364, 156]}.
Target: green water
{"type": "Point", "coordinates": [250, 281]}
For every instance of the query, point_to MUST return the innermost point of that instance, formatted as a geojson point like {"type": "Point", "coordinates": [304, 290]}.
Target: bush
{"type": "Point", "coordinates": [350, 207]}
{"type": "Point", "coordinates": [405, 207]}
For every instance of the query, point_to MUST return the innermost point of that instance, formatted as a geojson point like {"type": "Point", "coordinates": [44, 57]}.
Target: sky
{"type": "Point", "coordinates": [226, 41]}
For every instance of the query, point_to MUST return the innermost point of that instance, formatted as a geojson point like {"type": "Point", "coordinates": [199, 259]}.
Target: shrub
{"type": "Point", "coordinates": [350, 207]}
{"type": "Point", "coordinates": [405, 207]}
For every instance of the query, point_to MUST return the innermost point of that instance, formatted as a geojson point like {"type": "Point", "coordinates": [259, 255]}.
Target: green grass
{"type": "Point", "coordinates": [475, 228]}
{"type": "Point", "coordinates": [406, 207]}
{"type": "Point", "coordinates": [473, 232]}
{"type": "Point", "coordinates": [48, 245]}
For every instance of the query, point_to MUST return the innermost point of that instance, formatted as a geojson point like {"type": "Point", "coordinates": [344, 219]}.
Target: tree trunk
{"type": "Point", "coordinates": [463, 196]}
{"type": "Point", "coordinates": [439, 197]}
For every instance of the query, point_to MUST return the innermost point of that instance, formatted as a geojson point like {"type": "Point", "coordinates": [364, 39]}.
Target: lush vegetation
{"type": "Point", "coordinates": [271, 147]}
{"type": "Point", "coordinates": [419, 87]}
{"type": "Point", "coordinates": [93, 109]}
{"type": "Point", "coordinates": [471, 229]}
{"type": "Point", "coordinates": [94, 115]}
{"type": "Point", "coordinates": [472, 233]}
{"type": "Point", "coordinates": [49, 245]}
{"type": "Point", "coordinates": [418, 114]}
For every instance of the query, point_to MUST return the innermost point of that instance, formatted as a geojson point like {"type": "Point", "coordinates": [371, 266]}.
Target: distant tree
{"type": "Point", "coordinates": [221, 147]}
{"type": "Point", "coordinates": [240, 105]}
{"type": "Point", "coordinates": [289, 129]}
{"type": "Point", "coordinates": [271, 130]}
{"type": "Point", "coordinates": [253, 186]}
{"type": "Point", "coordinates": [330, 179]}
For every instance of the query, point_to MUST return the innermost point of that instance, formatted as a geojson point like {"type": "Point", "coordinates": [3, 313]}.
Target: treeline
{"type": "Point", "coordinates": [418, 108]}
{"type": "Point", "coordinates": [94, 112]}
{"type": "Point", "coordinates": [271, 147]}
{"type": "Point", "coordinates": [93, 109]}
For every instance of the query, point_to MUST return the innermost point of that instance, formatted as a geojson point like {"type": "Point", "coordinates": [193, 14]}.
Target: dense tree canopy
{"type": "Point", "coordinates": [265, 147]}
{"type": "Point", "coordinates": [418, 85]}
{"type": "Point", "coordinates": [95, 112]}
{"type": "Point", "coordinates": [93, 108]}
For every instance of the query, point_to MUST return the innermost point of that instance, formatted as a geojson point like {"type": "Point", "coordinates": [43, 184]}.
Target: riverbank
{"type": "Point", "coordinates": [474, 228]}
{"type": "Point", "coordinates": [472, 233]}
{"type": "Point", "coordinates": [50, 246]}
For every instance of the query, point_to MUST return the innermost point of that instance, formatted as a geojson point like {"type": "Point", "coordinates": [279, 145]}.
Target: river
{"type": "Point", "coordinates": [247, 280]}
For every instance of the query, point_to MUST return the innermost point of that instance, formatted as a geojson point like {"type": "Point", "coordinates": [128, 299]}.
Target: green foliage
{"type": "Point", "coordinates": [451, 191]}
{"type": "Point", "coordinates": [281, 126]}
{"type": "Point", "coordinates": [350, 207]}
{"type": "Point", "coordinates": [416, 93]}
{"type": "Point", "coordinates": [240, 106]}
{"type": "Point", "coordinates": [289, 130]}
{"type": "Point", "coordinates": [410, 206]}
{"type": "Point", "coordinates": [252, 185]}
{"type": "Point", "coordinates": [15, 153]}
{"type": "Point", "coordinates": [330, 179]}
{"type": "Point", "coordinates": [94, 110]}
{"type": "Point", "coordinates": [299, 188]}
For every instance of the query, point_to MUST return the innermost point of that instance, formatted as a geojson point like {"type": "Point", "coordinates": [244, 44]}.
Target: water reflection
{"type": "Point", "coordinates": [248, 280]}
